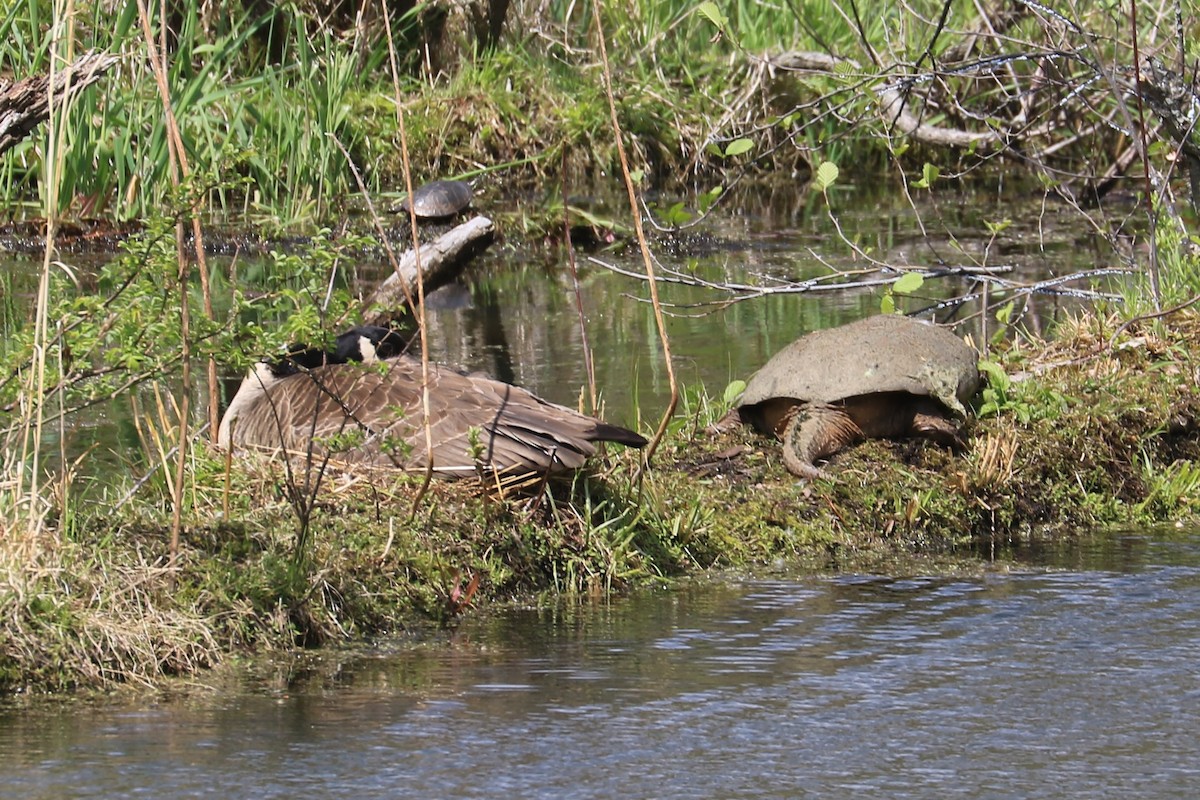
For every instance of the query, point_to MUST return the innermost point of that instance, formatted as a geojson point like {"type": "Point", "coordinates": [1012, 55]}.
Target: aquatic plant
{"type": "Point", "coordinates": [1103, 429]}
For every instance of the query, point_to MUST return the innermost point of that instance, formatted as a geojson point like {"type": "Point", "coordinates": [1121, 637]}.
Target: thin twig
{"type": "Point", "coordinates": [588, 362]}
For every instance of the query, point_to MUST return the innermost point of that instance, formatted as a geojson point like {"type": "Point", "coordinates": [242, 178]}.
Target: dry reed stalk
{"type": "Point", "coordinates": [588, 362]}
{"type": "Point", "coordinates": [647, 260]}
{"type": "Point", "coordinates": [28, 505]}
{"type": "Point", "coordinates": [996, 457]}
{"type": "Point", "coordinates": [180, 172]}
{"type": "Point", "coordinates": [406, 167]}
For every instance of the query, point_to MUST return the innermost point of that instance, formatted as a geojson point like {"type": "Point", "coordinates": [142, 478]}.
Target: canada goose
{"type": "Point", "coordinates": [371, 413]}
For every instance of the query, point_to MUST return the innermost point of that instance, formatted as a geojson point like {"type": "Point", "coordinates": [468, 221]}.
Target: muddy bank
{"type": "Point", "coordinates": [1087, 431]}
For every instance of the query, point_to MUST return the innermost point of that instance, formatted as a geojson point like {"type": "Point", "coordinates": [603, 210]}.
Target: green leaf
{"type": "Point", "coordinates": [1004, 313]}
{"type": "Point", "coordinates": [995, 373]}
{"type": "Point", "coordinates": [827, 175]}
{"type": "Point", "coordinates": [888, 304]}
{"type": "Point", "coordinates": [712, 13]}
{"type": "Point", "coordinates": [676, 215]}
{"type": "Point", "coordinates": [706, 200]}
{"type": "Point", "coordinates": [908, 283]}
{"type": "Point", "coordinates": [738, 146]}
{"type": "Point", "coordinates": [733, 391]}
{"type": "Point", "coordinates": [929, 174]}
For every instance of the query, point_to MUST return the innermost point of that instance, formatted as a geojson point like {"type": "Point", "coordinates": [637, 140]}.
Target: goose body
{"type": "Point", "coordinates": [372, 413]}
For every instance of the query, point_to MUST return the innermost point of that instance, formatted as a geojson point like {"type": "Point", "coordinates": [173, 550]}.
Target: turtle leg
{"type": "Point", "coordinates": [726, 423]}
{"type": "Point", "coordinates": [813, 432]}
{"type": "Point", "coordinates": [930, 422]}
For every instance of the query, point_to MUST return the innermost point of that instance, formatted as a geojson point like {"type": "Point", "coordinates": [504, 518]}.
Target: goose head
{"type": "Point", "coordinates": [366, 344]}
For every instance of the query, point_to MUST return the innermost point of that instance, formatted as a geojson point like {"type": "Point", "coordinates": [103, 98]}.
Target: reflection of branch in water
{"type": "Point", "coordinates": [849, 280]}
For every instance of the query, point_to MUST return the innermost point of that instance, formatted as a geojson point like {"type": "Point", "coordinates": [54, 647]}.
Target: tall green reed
{"type": "Point", "coordinates": [276, 127]}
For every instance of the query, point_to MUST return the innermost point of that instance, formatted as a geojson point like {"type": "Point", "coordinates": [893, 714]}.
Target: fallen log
{"type": "Point", "coordinates": [25, 104]}
{"type": "Point", "coordinates": [894, 106]}
{"type": "Point", "coordinates": [441, 262]}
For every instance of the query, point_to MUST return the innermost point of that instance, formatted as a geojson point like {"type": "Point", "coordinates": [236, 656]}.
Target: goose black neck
{"type": "Point", "coordinates": [365, 343]}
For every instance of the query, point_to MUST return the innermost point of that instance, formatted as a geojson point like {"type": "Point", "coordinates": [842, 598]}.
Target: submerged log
{"type": "Point", "coordinates": [26, 104]}
{"type": "Point", "coordinates": [441, 262]}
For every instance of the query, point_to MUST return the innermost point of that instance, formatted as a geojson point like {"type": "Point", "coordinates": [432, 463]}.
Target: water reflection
{"type": "Point", "coordinates": [514, 315]}
{"type": "Point", "coordinates": [1078, 675]}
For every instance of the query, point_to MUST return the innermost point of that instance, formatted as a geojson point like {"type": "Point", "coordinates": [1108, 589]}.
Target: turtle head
{"type": "Point", "coordinates": [948, 384]}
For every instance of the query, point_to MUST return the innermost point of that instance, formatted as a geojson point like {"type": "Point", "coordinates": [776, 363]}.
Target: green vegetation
{"type": "Point", "coordinates": [285, 108]}
{"type": "Point", "coordinates": [280, 117]}
{"type": "Point", "coordinates": [1109, 437]}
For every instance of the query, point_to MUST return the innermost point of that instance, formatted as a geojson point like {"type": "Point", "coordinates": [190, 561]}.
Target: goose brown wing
{"type": "Point", "coordinates": [515, 429]}
{"type": "Point", "coordinates": [504, 426]}
{"type": "Point", "coordinates": [473, 420]}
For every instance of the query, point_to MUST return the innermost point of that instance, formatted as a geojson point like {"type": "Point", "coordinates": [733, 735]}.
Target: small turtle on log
{"type": "Point", "coordinates": [438, 200]}
{"type": "Point", "coordinates": [887, 376]}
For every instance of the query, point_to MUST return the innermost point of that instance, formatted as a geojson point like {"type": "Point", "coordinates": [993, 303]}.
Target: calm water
{"type": "Point", "coordinates": [513, 314]}
{"type": "Point", "coordinates": [1073, 674]}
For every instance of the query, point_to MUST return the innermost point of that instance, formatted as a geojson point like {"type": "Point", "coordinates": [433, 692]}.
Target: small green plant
{"type": "Point", "coordinates": [733, 391]}
{"type": "Point", "coordinates": [475, 447]}
{"type": "Point", "coordinates": [929, 175]}
{"type": "Point", "coordinates": [999, 396]}
{"type": "Point", "coordinates": [825, 176]}
{"type": "Point", "coordinates": [1170, 489]}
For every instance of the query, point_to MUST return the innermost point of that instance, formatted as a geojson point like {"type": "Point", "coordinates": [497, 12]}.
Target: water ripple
{"type": "Point", "coordinates": [1044, 683]}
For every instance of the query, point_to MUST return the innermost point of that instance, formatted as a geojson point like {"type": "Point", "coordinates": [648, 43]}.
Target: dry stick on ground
{"type": "Point", "coordinates": [893, 104]}
{"type": "Point", "coordinates": [840, 281]}
{"type": "Point", "coordinates": [635, 210]}
{"type": "Point", "coordinates": [440, 261]}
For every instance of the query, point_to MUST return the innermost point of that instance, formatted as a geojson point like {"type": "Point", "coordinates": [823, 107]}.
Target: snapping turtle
{"type": "Point", "coordinates": [887, 376]}
{"type": "Point", "coordinates": [438, 200]}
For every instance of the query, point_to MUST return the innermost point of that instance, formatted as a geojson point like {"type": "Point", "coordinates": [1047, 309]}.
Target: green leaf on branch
{"type": "Point", "coordinates": [908, 283]}
{"type": "Point", "coordinates": [712, 13]}
{"type": "Point", "coordinates": [826, 175]}
{"type": "Point", "coordinates": [929, 174]}
{"type": "Point", "coordinates": [737, 147]}
{"type": "Point", "coordinates": [706, 200]}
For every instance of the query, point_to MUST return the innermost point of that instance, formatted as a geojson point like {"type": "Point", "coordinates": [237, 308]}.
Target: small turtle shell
{"type": "Point", "coordinates": [438, 200]}
{"type": "Point", "coordinates": [885, 353]}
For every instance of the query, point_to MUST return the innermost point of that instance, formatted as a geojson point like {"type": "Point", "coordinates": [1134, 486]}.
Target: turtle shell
{"type": "Point", "coordinates": [885, 353]}
{"type": "Point", "coordinates": [438, 200]}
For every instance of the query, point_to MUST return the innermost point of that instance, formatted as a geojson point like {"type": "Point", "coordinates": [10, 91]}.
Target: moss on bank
{"type": "Point", "coordinates": [1080, 433]}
